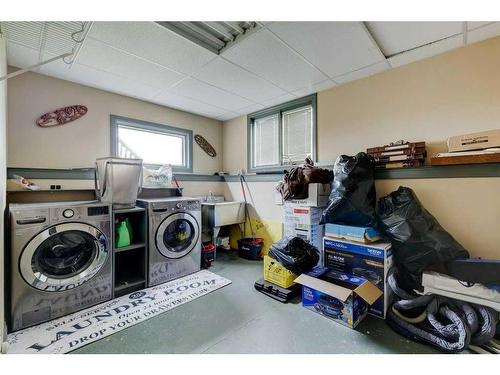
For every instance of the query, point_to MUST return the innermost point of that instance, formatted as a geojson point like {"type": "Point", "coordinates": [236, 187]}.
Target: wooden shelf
{"type": "Point", "coordinates": [131, 247]}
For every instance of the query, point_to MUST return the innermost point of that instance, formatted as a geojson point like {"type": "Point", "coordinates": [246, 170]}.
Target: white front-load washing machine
{"type": "Point", "coordinates": [60, 260]}
{"type": "Point", "coordinates": [174, 227]}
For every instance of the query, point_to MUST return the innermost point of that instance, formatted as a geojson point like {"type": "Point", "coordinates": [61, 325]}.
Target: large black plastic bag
{"type": "Point", "coordinates": [295, 254]}
{"type": "Point", "coordinates": [353, 197]}
{"type": "Point", "coordinates": [419, 242]}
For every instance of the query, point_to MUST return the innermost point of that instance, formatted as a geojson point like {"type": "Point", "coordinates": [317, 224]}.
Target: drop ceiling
{"type": "Point", "coordinates": [272, 63]}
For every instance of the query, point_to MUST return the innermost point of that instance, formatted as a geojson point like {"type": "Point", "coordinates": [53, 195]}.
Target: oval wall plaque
{"type": "Point", "coordinates": [61, 116]}
{"type": "Point", "coordinates": [205, 146]}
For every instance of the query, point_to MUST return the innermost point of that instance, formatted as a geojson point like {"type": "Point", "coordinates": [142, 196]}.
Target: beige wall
{"type": "Point", "coordinates": [454, 93]}
{"type": "Point", "coordinates": [450, 94]}
{"type": "Point", "coordinates": [3, 165]}
{"type": "Point", "coordinates": [234, 145]}
{"type": "Point", "coordinates": [79, 143]}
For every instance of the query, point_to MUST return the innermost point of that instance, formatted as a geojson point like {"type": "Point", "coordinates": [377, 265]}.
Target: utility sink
{"type": "Point", "coordinates": [218, 214]}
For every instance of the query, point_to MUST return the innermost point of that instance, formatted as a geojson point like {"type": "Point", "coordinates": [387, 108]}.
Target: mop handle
{"type": "Point", "coordinates": [247, 214]}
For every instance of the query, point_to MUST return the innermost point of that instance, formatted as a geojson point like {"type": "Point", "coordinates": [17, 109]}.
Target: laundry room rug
{"type": "Point", "coordinates": [84, 327]}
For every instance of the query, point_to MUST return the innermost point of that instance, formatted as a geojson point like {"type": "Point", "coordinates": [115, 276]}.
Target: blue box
{"type": "Point", "coordinates": [339, 296]}
{"type": "Point", "coordinates": [371, 261]}
{"type": "Point", "coordinates": [350, 233]}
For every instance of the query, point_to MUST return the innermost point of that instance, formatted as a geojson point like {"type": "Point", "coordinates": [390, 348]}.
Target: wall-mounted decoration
{"type": "Point", "coordinates": [205, 146]}
{"type": "Point", "coordinates": [61, 116]}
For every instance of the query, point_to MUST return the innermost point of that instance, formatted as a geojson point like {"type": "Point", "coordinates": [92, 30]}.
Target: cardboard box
{"type": "Point", "coordinates": [371, 261]}
{"type": "Point", "coordinates": [303, 222]}
{"type": "Point", "coordinates": [474, 141]}
{"type": "Point", "coordinates": [350, 233]}
{"type": "Point", "coordinates": [301, 216]}
{"type": "Point", "coordinates": [318, 196]}
{"type": "Point", "coordinates": [339, 296]}
{"type": "Point", "coordinates": [275, 273]}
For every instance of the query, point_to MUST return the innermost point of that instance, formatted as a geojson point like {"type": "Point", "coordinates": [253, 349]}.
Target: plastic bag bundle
{"type": "Point", "coordinates": [353, 198]}
{"type": "Point", "coordinates": [295, 254]}
{"type": "Point", "coordinates": [419, 242]}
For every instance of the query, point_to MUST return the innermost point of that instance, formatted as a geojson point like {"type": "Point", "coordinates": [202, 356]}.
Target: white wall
{"type": "Point", "coordinates": [3, 166]}
{"type": "Point", "coordinates": [79, 143]}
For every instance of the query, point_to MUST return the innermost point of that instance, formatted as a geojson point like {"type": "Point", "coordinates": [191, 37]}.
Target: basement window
{"type": "Point", "coordinates": [283, 135]}
{"type": "Point", "coordinates": [155, 144]}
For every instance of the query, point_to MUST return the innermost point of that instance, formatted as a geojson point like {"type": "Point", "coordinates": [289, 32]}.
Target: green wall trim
{"type": "Point", "coordinates": [256, 178]}
{"type": "Point", "coordinates": [198, 177]}
{"type": "Point", "coordinates": [441, 171]}
{"type": "Point", "coordinates": [448, 171]}
{"type": "Point", "coordinates": [52, 174]}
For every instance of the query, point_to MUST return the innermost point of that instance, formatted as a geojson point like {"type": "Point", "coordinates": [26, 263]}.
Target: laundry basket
{"type": "Point", "coordinates": [118, 181]}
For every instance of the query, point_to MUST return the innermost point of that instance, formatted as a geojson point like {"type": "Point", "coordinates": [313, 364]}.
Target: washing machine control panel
{"type": "Point", "coordinates": [193, 205]}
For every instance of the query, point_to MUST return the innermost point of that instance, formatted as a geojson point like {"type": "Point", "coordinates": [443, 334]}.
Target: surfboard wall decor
{"type": "Point", "coordinates": [61, 116]}
{"type": "Point", "coordinates": [205, 146]}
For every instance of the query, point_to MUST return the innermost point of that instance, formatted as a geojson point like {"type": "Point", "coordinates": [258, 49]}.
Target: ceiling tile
{"type": "Point", "coordinates": [203, 92]}
{"type": "Point", "coordinates": [21, 56]}
{"type": "Point", "coordinates": [334, 47]}
{"type": "Point", "coordinates": [250, 109]}
{"type": "Point", "coordinates": [230, 77]}
{"type": "Point", "coordinates": [228, 116]}
{"type": "Point", "coordinates": [476, 25]}
{"type": "Point", "coordinates": [314, 88]}
{"type": "Point", "coordinates": [265, 55]}
{"type": "Point", "coordinates": [426, 51]}
{"type": "Point", "coordinates": [278, 100]}
{"type": "Point", "coordinates": [101, 56]}
{"type": "Point", "coordinates": [172, 99]}
{"type": "Point", "coordinates": [485, 32]}
{"type": "Point", "coordinates": [396, 37]}
{"type": "Point", "coordinates": [153, 42]}
{"type": "Point", "coordinates": [363, 72]}
{"type": "Point", "coordinates": [97, 78]}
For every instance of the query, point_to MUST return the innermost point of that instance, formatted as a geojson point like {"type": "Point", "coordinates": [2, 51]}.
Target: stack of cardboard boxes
{"type": "Point", "coordinates": [361, 252]}
{"type": "Point", "coordinates": [301, 218]}
{"type": "Point", "coordinates": [350, 279]}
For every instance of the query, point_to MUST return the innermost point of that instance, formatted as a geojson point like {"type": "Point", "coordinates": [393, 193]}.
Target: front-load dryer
{"type": "Point", "coordinates": [174, 226]}
{"type": "Point", "coordinates": [60, 260]}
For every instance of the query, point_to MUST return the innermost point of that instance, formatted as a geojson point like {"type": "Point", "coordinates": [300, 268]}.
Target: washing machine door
{"type": "Point", "coordinates": [63, 256]}
{"type": "Point", "coordinates": [177, 235]}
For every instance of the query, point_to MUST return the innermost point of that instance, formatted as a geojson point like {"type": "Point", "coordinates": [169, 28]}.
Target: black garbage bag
{"type": "Point", "coordinates": [295, 254]}
{"type": "Point", "coordinates": [418, 240]}
{"type": "Point", "coordinates": [353, 197]}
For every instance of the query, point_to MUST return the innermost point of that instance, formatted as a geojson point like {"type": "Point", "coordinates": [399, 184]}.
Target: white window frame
{"type": "Point", "coordinates": [130, 123]}
{"type": "Point", "coordinates": [279, 110]}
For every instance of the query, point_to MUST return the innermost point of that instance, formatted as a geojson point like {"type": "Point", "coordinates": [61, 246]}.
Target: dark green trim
{"type": "Point", "coordinates": [448, 171]}
{"type": "Point", "coordinates": [88, 174]}
{"type": "Point", "coordinates": [52, 174]}
{"type": "Point", "coordinates": [278, 109]}
{"type": "Point", "coordinates": [256, 178]}
{"type": "Point", "coordinates": [198, 177]}
{"type": "Point", "coordinates": [441, 171]}
{"type": "Point", "coordinates": [153, 127]}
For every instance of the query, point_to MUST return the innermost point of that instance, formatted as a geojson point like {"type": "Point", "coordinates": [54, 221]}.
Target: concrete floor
{"type": "Point", "coordinates": [238, 319]}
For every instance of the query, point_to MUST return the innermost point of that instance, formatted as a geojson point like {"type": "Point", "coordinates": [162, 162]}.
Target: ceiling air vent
{"type": "Point", "coordinates": [214, 36]}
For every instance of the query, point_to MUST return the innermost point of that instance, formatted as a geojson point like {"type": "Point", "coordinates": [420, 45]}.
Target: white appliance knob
{"type": "Point", "coordinates": [69, 213]}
